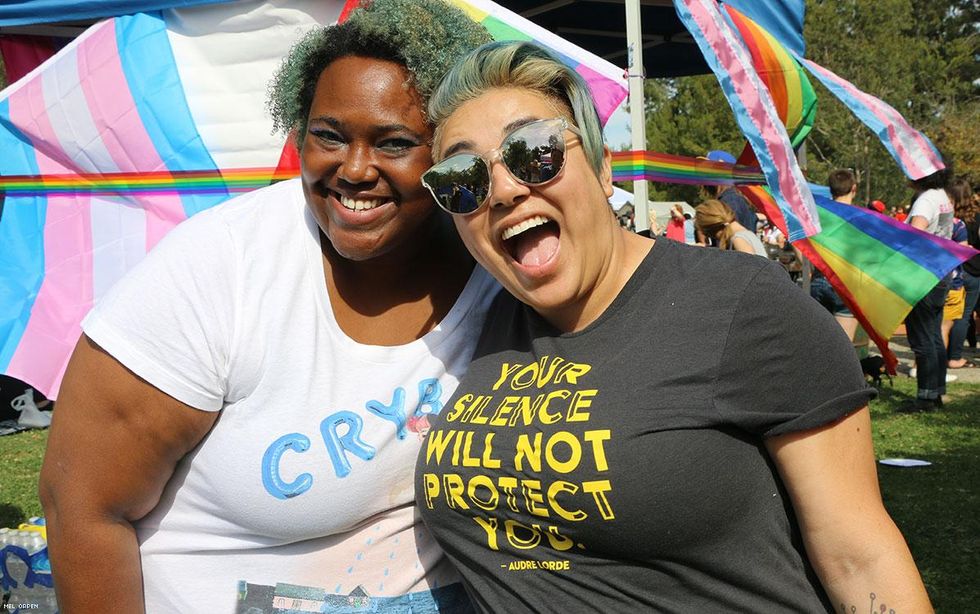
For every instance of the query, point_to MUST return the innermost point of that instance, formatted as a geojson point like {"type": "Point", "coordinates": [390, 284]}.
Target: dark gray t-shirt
{"type": "Point", "coordinates": [622, 468]}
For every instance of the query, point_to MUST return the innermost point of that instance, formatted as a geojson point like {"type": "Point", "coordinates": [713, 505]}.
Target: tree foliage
{"type": "Point", "coordinates": [919, 56]}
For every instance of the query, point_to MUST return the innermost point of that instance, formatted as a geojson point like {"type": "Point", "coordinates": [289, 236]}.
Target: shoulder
{"type": "Point", "coordinates": [709, 266]}
{"type": "Point", "coordinates": [267, 208]}
{"type": "Point", "coordinates": [270, 214]}
{"type": "Point", "coordinates": [931, 199]}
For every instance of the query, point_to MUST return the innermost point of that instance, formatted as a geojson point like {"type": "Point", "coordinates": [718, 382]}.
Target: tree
{"type": "Point", "coordinates": [917, 55]}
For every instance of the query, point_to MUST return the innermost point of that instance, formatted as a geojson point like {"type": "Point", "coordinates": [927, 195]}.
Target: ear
{"type": "Point", "coordinates": [605, 176]}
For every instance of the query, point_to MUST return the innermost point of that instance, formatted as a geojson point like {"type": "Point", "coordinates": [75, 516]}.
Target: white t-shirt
{"type": "Point", "coordinates": [306, 478]}
{"type": "Point", "coordinates": [935, 207]}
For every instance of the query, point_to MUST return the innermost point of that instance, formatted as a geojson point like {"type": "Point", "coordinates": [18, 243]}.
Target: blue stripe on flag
{"type": "Point", "coordinates": [22, 238]}
{"type": "Point", "coordinates": [922, 250]}
{"type": "Point", "coordinates": [151, 73]}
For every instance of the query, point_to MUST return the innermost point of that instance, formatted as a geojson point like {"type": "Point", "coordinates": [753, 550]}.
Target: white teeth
{"type": "Point", "coordinates": [528, 224]}
{"type": "Point", "coordinates": [359, 205]}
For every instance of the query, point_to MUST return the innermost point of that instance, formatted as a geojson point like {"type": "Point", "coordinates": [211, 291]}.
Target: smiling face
{"type": "Point", "coordinates": [366, 146]}
{"type": "Point", "coordinates": [552, 246]}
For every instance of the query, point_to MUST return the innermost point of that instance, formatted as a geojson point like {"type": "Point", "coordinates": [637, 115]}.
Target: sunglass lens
{"type": "Point", "coordinates": [535, 153]}
{"type": "Point", "coordinates": [459, 183]}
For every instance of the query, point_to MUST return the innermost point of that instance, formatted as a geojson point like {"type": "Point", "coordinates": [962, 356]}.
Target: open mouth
{"type": "Point", "coordinates": [532, 242]}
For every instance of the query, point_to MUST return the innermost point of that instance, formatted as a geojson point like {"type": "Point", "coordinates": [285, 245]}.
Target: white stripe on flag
{"type": "Point", "coordinates": [70, 119]}
{"type": "Point", "coordinates": [118, 241]}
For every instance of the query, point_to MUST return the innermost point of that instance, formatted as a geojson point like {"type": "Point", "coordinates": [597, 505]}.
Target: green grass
{"type": "Point", "coordinates": [936, 507]}
{"type": "Point", "coordinates": [20, 464]}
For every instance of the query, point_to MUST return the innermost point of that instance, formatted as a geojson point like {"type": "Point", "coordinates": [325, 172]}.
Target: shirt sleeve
{"type": "Point", "coordinates": [170, 320]}
{"type": "Point", "coordinates": [787, 365]}
{"type": "Point", "coordinates": [925, 207]}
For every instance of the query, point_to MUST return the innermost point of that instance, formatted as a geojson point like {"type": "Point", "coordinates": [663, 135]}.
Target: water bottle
{"type": "Point", "coordinates": [25, 555]}
{"type": "Point", "coordinates": [4, 582]}
{"type": "Point", "coordinates": [14, 565]}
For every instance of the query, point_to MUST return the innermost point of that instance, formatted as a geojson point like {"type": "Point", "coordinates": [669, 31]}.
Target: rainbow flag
{"type": "Point", "coordinates": [791, 91]}
{"type": "Point", "coordinates": [669, 168]}
{"type": "Point", "coordinates": [879, 266]}
{"type": "Point", "coordinates": [755, 112]}
{"type": "Point", "coordinates": [606, 81]}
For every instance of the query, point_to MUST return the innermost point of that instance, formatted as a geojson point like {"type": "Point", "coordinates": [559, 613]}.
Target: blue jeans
{"type": "Point", "coordinates": [958, 333]}
{"type": "Point", "coordinates": [824, 293]}
{"type": "Point", "coordinates": [924, 327]}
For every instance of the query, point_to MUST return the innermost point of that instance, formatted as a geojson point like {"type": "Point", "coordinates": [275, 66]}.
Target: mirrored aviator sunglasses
{"type": "Point", "coordinates": [533, 154]}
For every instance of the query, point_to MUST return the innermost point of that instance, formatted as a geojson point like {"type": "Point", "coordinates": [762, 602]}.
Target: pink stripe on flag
{"type": "Point", "coordinates": [163, 212]}
{"type": "Point", "coordinates": [899, 130]}
{"type": "Point", "coordinates": [115, 115]}
{"type": "Point", "coordinates": [606, 94]}
{"type": "Point", "coordinates": [756, 100]}
{"type": "Point", "coordinates": [65, 295]}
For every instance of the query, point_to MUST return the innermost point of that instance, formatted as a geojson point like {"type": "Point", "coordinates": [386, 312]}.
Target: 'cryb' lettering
{"type": "Point", "coordinates": [341, 435]}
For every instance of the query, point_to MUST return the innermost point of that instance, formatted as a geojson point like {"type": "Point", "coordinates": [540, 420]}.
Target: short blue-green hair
{"type": "Point", "coordinates": [520, 65]}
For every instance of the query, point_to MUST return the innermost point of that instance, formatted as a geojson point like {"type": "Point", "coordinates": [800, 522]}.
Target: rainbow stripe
{"type": "Point", "coordinates": [791, 91]}
{"type": "Point", "coordinates": [668, 168]}
{"type": "Point", "coordinates": [606, 81]}
{"type": "Point", "coordinates": [755, 112]}
{"type": "Point", "coordinates": [880, 267]}
{"type": "Point", "coordinates": [221, 182]}
{"type": "Point", "coordinates": [626, 166]}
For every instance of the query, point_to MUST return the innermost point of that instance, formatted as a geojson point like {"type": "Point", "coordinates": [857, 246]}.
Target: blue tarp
{"type": "Point", "coordinates": [25, 12]}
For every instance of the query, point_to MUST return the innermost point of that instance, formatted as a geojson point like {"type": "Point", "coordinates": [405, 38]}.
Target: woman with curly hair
{"type": "Point", "coordinates": [239, 424]}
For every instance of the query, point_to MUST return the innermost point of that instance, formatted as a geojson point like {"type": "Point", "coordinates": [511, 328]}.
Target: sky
{"type": "Point", "coordinates": [617, 131]}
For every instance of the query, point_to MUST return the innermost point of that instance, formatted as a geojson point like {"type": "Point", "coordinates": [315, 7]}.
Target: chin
{"type": "Point", "coordinates": [544, 299]}
{"type": "Point", "coordinates": [359, 248]}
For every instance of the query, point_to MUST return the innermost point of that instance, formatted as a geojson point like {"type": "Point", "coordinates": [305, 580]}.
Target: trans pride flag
{"type": "Point", "coordinates": [143, 94]}
{"type": "Point", "coordinates": [755, 112]}
{"type": "Point", "coordinates": [139, 123]}
{"type": "Point", "coordinates": [912, 150]}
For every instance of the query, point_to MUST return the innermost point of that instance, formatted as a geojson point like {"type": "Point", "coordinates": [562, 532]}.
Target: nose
{"type": "Point", "coordinates": [506, 191]}
{"type": "Point", "coordinates": [358, 165]}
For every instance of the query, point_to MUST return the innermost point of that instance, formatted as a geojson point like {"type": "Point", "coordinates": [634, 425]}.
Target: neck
{"type": "Point", "coordinates": [626, 251]}
{"type": "Point", "coordinates": [847, 199]}
{"type": "Point", "coordinates": [428, 272]}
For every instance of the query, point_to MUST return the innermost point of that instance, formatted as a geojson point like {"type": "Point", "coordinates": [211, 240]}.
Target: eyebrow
{"type": "Point", "coordinates": [510, 127]}
{"type": "Point", "coordinates": [333, 122]}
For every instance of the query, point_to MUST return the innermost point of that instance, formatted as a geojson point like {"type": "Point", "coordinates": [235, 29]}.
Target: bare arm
{"type": "Point", "coordinates": [852, 542]}
{"type": "Point", "coordinates": [917, 221]}
{"type": "Point", "coordinates": [114, 443]}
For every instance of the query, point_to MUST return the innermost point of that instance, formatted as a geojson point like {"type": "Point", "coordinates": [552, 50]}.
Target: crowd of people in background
{"type": "Point", "coordinates": [940, 326]}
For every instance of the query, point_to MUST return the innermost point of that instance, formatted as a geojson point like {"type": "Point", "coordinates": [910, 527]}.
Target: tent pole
{"type": "Point", "coordinates": [635, 74]}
